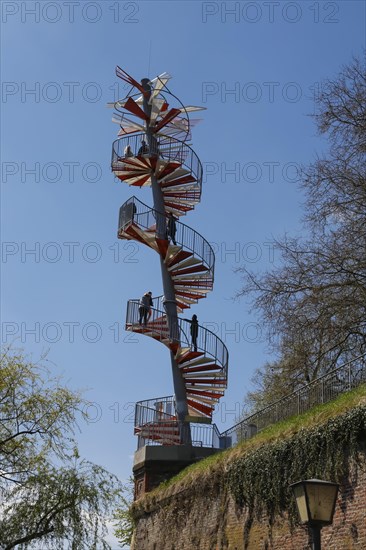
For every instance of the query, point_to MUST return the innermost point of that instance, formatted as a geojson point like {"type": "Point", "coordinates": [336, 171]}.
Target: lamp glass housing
{"type": "Point", "coordinates": [316, 500]}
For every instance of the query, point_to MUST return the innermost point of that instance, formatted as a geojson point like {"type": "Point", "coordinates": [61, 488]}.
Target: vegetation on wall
{"type": "Point", "coordinates": [260, 480]}
{"type": "Point", "coordinates": [257, 473]}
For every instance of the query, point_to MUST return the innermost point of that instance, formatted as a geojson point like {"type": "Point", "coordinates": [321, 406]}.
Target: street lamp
{"type": "Point", "coordinates": [315, 501]}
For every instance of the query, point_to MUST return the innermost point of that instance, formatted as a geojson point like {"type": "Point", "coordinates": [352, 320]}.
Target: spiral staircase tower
{"type": "Point", "coordinates": [153, 150]}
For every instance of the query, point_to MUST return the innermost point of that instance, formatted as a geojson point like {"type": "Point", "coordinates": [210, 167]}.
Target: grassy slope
{"type": "Point", "coordinates": [212, 466]}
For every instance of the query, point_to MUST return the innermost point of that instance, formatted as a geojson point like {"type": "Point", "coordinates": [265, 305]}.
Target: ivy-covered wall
{"type": "Point", "coordinates": [243, 501]}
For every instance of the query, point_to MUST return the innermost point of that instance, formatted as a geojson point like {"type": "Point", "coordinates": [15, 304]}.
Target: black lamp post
{"type": "Point", "coordinates": [315, 501]}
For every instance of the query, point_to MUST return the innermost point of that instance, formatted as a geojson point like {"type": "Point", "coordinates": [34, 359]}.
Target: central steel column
{"type": "Point", "coordinates": [169, 294]}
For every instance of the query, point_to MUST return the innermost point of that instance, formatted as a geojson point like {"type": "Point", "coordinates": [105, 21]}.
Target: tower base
{"type": "Point", "coordinates": [154, 464]}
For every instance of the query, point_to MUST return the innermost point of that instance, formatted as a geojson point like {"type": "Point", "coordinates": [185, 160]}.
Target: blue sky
{"type": "Point", "coordinates": [256, 67]}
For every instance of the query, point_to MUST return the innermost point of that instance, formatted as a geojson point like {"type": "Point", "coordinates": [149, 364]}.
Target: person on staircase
{"type": "Point", "coordinates": [144, 149]}
{"type": "Point", "coordinates": [172, 227]}
{"type": "Point", "coordinates": [145, 305]}
{"type": "Point", "coordinates": [150, 306]}
{"type": "Point", "coordinates": [193, 330]}
{"type": "Point", "coordinates": [133, 211]}
{"type": "Point", "coordinates": [128, 151]}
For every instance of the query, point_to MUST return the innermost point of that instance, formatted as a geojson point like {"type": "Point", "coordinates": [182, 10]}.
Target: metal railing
{"type": "Point", "coordinates": [151, 413]}
{"type": "Point", "coordinates": [326, 388]}
{"type": "Point", "coordinates": [322, 390]}
{"type": "Point", "coordinates": [183, 129]}
{"type": "Point", "coordinates": [166, 148]}
{"type": "Point", "coordinates": [207, 342]}
{"type": "Point", "coordinates": [148, 219]}
{"type": "Point", "coordinates": [203, 435]}
{"type": "Point", "coordinates": [152, 410]}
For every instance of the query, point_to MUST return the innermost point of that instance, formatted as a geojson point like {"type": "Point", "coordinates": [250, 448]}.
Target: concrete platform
{"type": "Point", "coordinates": [154, 464]}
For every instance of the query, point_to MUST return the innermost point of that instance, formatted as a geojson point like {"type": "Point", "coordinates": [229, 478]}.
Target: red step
{"type": "Point", "coordinates": [188, 356]}
{"type": "Point", "coordinates": [138, 183]}
{"type": "Point", "coordinates": [204, 393]}
{"type": "Point", "coordinates": [167, 169]}
{"type": "Point", "coordinates": [205, 381]}
{"type": "Point", "coordinates": [202, 368]}
{"type": "Point", "coordinates": [170, 115]}
{"type": "Point", "coordinates": [205, 409]}
{"type": "Point", "coordinates": [190, 295]}
{"type": "Point", "coordinates": [182, 305]}
{"type": "Point", "coordinates": [132, 106]}
{"type": "Point", "coordinates": [194, 269]}
{"type": "Point", "coordinates": [177, 206]}
{"type": "Point", "coordinates": [179, 181]}
{"type": "Point", "coordinates": [182, 255]}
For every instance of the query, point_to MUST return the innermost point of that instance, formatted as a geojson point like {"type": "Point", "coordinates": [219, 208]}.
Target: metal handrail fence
{"type": "Point", "coordinates": [147, 219]}
{"type": "Point", "coordinates": [151, 412]}
{"type": "Point", "coordinates": [207, 342]}
{"type": "Point", "coordinates": [322, 390]}
{"type": "Point", "coordinates": [166, 148]}
{"type": "Point", "coordinates": [203, 435]}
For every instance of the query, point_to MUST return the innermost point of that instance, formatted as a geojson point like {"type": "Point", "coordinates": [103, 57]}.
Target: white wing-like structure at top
{"type": "Point", "coordinates": [164, 120]}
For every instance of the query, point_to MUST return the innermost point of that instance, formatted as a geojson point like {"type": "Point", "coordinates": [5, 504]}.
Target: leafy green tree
{"type": "Point", "coordinates": [313, 304]}
{"type": "Point", "coordinates": [48, 493]}
{"type": "Point", "coordinates": [125, 524]}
